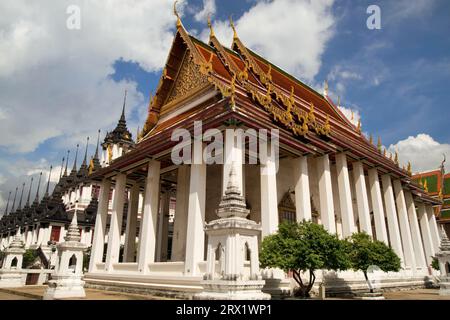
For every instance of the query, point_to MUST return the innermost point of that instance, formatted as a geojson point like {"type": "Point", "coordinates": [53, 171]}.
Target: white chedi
{"type": "Point", "coordinates": [66, 282]}
{"type": "Point", "coordinates": [11, 271]}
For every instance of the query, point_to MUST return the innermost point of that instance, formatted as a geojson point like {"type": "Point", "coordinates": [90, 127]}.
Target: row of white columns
{"type": "Point", "coordinates": [404, 231]}
{"type": "Point", "coordinates": [189, 238]}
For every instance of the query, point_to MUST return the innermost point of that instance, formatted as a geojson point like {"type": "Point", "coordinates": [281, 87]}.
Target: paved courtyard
{"type": "Point", "coordinates": [36, 293]}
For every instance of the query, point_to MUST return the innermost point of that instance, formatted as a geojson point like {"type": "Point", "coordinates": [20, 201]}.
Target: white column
{"type": "Point", "coordinates": [433, 228]}
{"type": "Point", "coordinates": [377, 206]}
{"type": "Point", "coordinates": [233, 154]}
{"type": "Point", "coordinates": [195, 240]}
{"type": "Point", "coordinates": [29, 235]}
{"type": "Point", "coordinates": [47, 235]}
{"type": "Point", "coordinates": [391, 213]}
{"type": "Point", "coordinates": [147, 234]}
{"type": "Point", "coordinates": [98, 242]}
{"type": "Point", "coordinates": [115, 225]}
{"type": "Point", "coordinates": [130, 233]}
{"type": "Point", "coordinates": [326, 194]}
{"type": "Point", "coordinates": [165, 226]}
{"type": "Point", "coordinates": [302, 195]}
{"type": "Point", "coordinates": [269, 201]}
{"type": "Point", "coordinates": [345, 195]}
{"type": "Point", "coordinates": [181, 212]}
{"type": "Point", "coordinates": [415, 231]}
{"type": "Point", "coordinates": [426, 234]}
{"type": "Point", "coordinates": [408, 249]}
{"type": "Point", "coordinates": [361, 198]}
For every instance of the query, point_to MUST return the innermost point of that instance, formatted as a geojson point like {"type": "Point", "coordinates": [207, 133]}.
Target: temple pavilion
{"type": "Point", "coordinates": [150, 211]}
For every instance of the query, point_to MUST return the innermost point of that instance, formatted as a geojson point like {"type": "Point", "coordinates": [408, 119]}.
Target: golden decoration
{"type": "Point", "coordinates": [110, 153]}
{"type": "Point", "coordinates": [91, 166]}
{"type": "Point", "coordinates": [441, 195]}
{"type": "Point", "coordinates": [325, 89]}
{"type": "Point", "coordinates": [421, 183]}
{"type": "Point", "coordinates": [353, 116]}
{"type": "Point", "coordinates": [233, 27]}
{"type": "Point", "coordinates": [358, 127]}
{"type": "Point", "coordinates": [425, 185]}
{"type": "Point", "coordinates": [409, 168]}
{"type": "Point", "coordinates": [396, 158]}
{"type": "Point", "coordinates": [379, 145]}
{"type": "Point", "coordinates": [384, 152]}
{"type": "Point", "coordinates": [371, 139]}
{"type": "Point", "coordinates": [175, 12]}
{"type": "Point", "coordinates": [211, 30]}
{"type": "Point", "coordinates": [188, 79]}
{"type": "Point", "coordinates": [339, 101]}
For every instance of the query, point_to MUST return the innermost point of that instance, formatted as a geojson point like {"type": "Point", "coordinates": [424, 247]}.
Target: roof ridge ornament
{"type": "Point", "coordinates": [211, 30]}
{"type": "Point", "coordinates": [235, 36]}
{"type": "Point", "coordinates": [325, 88]}
{"type": "Point", "coordinates": [175, 12]}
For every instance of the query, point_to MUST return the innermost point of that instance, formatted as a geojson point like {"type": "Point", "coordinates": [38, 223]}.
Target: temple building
{"type": "Point", "coordinates": [150, 211]}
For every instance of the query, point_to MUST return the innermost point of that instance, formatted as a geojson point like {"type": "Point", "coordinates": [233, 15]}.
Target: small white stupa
{"type": "Point", "coordinates": [443, 257]}
{"type": "Point", "coordinates": [232, 241]}
{"type": "Point", "coordinates": [11, 271]}
{"type": "Point", "coordinates": [66, 281]}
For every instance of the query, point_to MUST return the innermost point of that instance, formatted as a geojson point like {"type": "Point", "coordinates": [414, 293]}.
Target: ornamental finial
{"type": "Point", "coordinates": [211, 30]}
{"type": "Point", "coordinates": [325, 89]}
{"type": "Point", "coordinates": [339, 101]}
{"type": "Point", "coordinates": [175, 12]}
{"type": "Point", "coordinates": [379, 145]}
{"type": "Point", "coordinates": [358, 128]}
{"type": "Point", "coordinates": [371, 139]}
{"type": "Point", "coordinates": [409, 168]}
{"type": "Point", "coordinates": [396, 158]}
{"type": "Point", "coordinates": [233, 27]}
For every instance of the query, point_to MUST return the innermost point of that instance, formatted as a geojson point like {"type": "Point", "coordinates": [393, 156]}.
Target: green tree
{"type": "Point", "coordinates": [435, 263]}
{"type": "Point", "coordinates": [365, 252]}
{"type": "Point", "coordinates": [303, 247]}
{"type": "Point", "coordinates": [28, 258]}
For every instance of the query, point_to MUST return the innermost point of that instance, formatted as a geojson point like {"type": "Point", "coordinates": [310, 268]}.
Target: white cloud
{"type": "Point", "coordinates": [423, 151]}
{"type": "Point", "coordinates": [293, 34]}
{"type": "Point", "coordinates": [209, 8]}
{"type": "Point", "coordinates": [55, 81]}
{"type": "Point", "coordinates": [352, 114]}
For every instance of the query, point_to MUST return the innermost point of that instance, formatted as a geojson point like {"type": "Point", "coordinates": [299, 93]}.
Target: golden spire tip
{"type": "Point", "coordinates": [211, 30]}
{"type": "Point", "coordinates": [233, 27]}
{"type": "Point", "coordinates": [175, 12]}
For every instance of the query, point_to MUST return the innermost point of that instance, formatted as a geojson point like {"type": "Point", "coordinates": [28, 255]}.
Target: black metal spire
{"type": "Point", "coordinates": [21, 196]}
{"type": "Point", "coordinates": [74, 169]}
{"type": "Point", "coordinates": [83, 172]}
{"type": "Point", "coordinates": [98, 142]}
{"type": "Point", "coordinates": [7, 204]}
{"type": "Point", "coordinates": [85, 152]}
{"type": "Point", "coordinates": [122, 117]}
{"type": "Point", "coordinates": [36, 200]}
{"type": "Point", "coordinates": [95, 159]}
{"type": "Point", "coordinates": [29, 194]}
{"type": "Point", "coordinates": [14, 201]}
{"type": "Point", "coordinates": [48, 181]}
{"type": "Point", "coordinates": [67, 161]}
{"type": "Point", "coordinates": [62, 166]}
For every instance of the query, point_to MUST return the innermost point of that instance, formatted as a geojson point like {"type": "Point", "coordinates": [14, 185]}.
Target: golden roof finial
{"type": "Point", "coordinates": [371, 139]}
{"type": "Point", "coordinates": [421, 182]}
{"type": "Point", "coordinates": [325, 89]}
{"type": "Point", "coordinates": [211, 30]}
{"type": "Point", "coordinates": [379, 145]}
{"type": "Point", "coordinates": [339, 101]}
{"type": "Point", "coordinates": [384, 152]}
{"type": "Point", "coordinates": [441, 195]}
{"type": "Point", "coordinates": [358, 127]}
{"type": "Point", "coordinates": [396, 158]}
{"type": "Point", "coordinates": [425, 185]}
{"type": "Point", "coordinates": [91, 166]}
{"type": "Point", "coordinates": [233, 27]}
{"type": "Point", "coordinates": [353, 116]}
{"type": "Point", "coordinates": [409, 168]}
{"type": "Point", "coordinates": [390, 156]}
{"type": "Point", "coordinates": [269, 72]}
{"type": "Point", "coordinates": [175, 12]}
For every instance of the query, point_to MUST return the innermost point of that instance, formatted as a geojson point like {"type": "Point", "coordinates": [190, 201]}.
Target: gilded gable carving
{"type": "Point", "coordinates": [189, 79]}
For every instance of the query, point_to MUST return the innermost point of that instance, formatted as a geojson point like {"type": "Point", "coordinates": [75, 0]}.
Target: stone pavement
{"type": "Point", "coordinates": [36, 293]}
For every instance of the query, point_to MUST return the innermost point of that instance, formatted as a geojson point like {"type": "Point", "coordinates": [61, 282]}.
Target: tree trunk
{"type": "Point", "coordinates": [305, 288]}
{"type": "Point", "coordinates": [368, 282]}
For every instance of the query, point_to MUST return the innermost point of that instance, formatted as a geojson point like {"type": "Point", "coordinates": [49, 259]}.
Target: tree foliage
{"type": "Point", "coordinates": [365, 252]}
{"type": "Point", "coordinates": [304, 247]}
{"type": "Point", "coordinates": [435, 263]}
{"type": "Point", "coordinates": [28, 258]}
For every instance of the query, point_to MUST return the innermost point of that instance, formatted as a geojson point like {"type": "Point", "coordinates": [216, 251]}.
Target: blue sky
{"type": "Point", "coordinates": [59, 86]}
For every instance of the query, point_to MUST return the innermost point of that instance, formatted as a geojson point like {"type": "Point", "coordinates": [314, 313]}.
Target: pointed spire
{"type": "Point", "coordinates": [371, 139]}
{"type": "Point", "coordinates": [211, 30]}
{"type": "Point", "coordinates": [21, 196]}
{"type": "Point", "coordinates": [233, 27]}
{"type": "Point", "coordinates": [85, 152]}
{"type": "Point", "coordinates": [48, 182]}
{"type": "Point", "coordinates": [358, 127]}
{"type": "Point", "coordinates": [339, 101]}
{"type": "Point", "coordinates": [38, 188]}
{"type": "Point", "coordinates": [73, 233]}
{"type": "Point", "coordinates": [29, 194]}
{"type": "Point", "coordinates": [7, 204]}
{"type": "Point", "coordinates": [67, 162]}
{"type": "Point", "coordinates": [175, 12]}
{"type": "Point", "coordinates": [122, 117]}
{"type": "Point", "coordinates": [14, 201]}
{"type": "Point", "coordinates": [74, 168]}
{"type": "Point", "coordinates": [98, 143]}
{"type": "Point", "coordinates": [409, 168]}
{"type": "Point", "coordinates": [396, 158]}
{"type": "Point", "coordinates": [379, 145]}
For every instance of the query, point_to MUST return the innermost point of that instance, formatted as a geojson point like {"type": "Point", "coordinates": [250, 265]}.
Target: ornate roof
{"type": "Point", "coordinates": [120, 134]}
